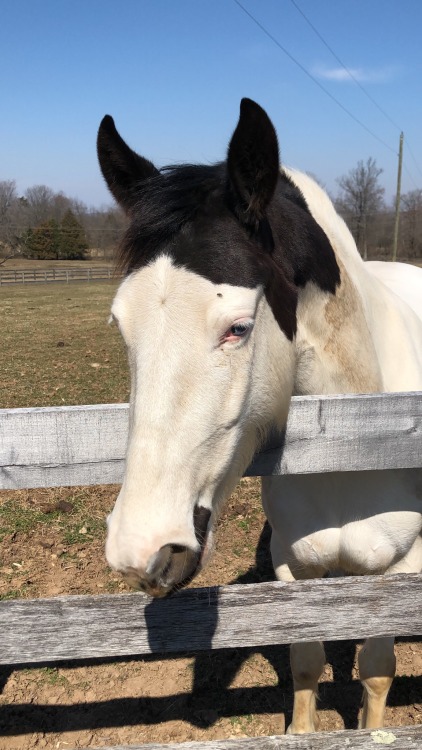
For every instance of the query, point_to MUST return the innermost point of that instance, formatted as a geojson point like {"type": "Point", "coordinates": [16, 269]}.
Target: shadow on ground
{"type": "Point", "coordinates": [211, 697]}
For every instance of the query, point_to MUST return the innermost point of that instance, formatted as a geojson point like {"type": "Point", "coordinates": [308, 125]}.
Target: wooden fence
{"type": "Point", "coordinates": [86, 445]}
{"type": "Point", "coordinates": [53, 275]}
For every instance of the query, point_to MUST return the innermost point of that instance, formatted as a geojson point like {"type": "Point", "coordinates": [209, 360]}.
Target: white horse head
{"type": "Point", "coordinates": [242, 286]}
{"type": "Point", "coordinates": [208, 314]}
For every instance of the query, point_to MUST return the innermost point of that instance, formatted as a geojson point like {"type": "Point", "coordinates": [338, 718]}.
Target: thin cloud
{"type": "Point", "coordinates": [377, 75]}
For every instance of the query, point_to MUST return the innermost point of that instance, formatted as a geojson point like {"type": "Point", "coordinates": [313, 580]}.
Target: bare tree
{"type": "Point", "coordinates": [39, 204]}
{"type": "Point", "coordinates": [104, 228]}
{"type": "Point", "coordinates": [8, 205]}
{"type": "Point", "coordinates": [7, 196]}
{"type": "Point", "coordinates": [411, 225]}
{"type": "Point", "coordinates": [361, 199]}
{"type": "Point", "coordinates": [59, 206]}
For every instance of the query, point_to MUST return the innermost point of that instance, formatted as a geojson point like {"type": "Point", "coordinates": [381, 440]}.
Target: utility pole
{"type": "Point", "coordinates": [397, 219]}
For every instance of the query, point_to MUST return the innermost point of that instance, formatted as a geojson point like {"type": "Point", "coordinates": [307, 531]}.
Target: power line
{"type": "Point", "coordinates": [304, 70]}
{"type": "Point", "coordinates": [409, 174]}
{"type": "Point", "coordinates": [413, 157]}
{"type": "Point", "coordinates": [348, 71]}
{"type": "Point", "coordinates": [358, 83]}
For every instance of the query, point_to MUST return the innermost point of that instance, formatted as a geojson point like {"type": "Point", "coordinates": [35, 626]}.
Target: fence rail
{"type": "Point", "coordinates": [52, 275]}
{"type": "Point", "coordinates": [86, 445]}
{"type": "Point", "coordinates": [401, 738]}
{"type": "Point", "coordinates": [89, 627]}
{"type": "Point", "coordinates": [71, 445]}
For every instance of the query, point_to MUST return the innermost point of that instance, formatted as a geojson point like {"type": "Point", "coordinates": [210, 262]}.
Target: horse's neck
{"type": "Point", "coordinates": [335, 348]}
{"type": "Point", "coordinates": [362, 339]}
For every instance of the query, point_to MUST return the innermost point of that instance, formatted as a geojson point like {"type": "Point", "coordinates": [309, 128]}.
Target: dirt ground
{"type": "Point", "coordinates": [52, 543]}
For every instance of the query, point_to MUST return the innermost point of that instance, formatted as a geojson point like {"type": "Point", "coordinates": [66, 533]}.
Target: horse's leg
{"type": "Point", "coordinates": [377, 667]}
{"type": "Point", "coordinates": [307, 661]}
{"type": "Point", "coordinates": [377, 662]}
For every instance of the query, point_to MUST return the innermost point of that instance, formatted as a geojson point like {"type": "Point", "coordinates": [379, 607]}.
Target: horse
{"type": "Point", "coordinates": [242, 286]}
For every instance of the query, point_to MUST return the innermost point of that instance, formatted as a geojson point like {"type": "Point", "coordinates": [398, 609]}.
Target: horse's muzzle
{"type": "Point", "coordinates": [174, 565]}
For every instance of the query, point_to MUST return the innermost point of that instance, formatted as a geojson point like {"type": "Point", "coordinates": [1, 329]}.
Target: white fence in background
{"type": "Point", "coordinates": [54, 275]}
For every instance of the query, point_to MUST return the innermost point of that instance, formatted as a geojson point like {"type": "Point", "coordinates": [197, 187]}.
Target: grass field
{"type": "Point", "coordinates": [57, 347]}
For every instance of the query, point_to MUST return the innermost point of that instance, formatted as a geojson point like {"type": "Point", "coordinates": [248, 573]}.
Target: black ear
{"type": "Point", "coordinates": [122, 168]}
{"type": "Point", "coordinates": [253, 162]}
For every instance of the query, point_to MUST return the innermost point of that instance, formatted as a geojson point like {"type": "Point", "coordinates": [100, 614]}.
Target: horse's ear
{"type": "Point", "coordinates": [253, 161]}
{"type": "Point", "coordinates": [122, 168]}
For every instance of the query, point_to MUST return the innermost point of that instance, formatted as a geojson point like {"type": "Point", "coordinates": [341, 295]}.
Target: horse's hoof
{"type": "Point", "coordinates": [291, 730]}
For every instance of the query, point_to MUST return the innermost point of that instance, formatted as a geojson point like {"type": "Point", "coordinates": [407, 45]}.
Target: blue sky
{"type": "Point", "coordinates": [172, 73]}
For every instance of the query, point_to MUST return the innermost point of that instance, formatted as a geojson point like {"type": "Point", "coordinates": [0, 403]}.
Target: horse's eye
{"type": "Point", "coordinates": [239, 329]}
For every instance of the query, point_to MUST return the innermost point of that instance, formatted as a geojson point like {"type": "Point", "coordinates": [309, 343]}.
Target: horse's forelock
{"type": "Point", "coordinates": [164, 204]}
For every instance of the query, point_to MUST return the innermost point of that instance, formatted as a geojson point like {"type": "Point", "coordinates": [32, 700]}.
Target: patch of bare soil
{"type": "Point", "coordinates": [52, 543]}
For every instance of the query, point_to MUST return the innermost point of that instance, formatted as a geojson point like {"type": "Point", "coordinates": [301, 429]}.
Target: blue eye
{"type": "Point", "coordinates": [239, 329]}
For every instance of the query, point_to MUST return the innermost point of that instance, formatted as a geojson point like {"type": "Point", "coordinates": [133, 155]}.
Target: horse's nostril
{"type": "Point", "coordinates": [159, 561]}
{"type": "Point", "coordinates": [177, 548]}
{"type": "Point", "coordinates": [183, 565]}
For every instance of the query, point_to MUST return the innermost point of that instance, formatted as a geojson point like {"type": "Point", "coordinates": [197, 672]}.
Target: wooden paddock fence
{"type": "Point", "coordinates": [69, 275]}
{"type": "Point", "coordinates": [46, 447]}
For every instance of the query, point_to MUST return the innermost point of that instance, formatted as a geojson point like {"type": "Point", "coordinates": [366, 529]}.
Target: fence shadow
{"type": "Point", "coordinates": [211, 697]}
{"type": "Point", "coordinates": [211, 675]}
{"type": "Point", "coordinates": [23, 718]}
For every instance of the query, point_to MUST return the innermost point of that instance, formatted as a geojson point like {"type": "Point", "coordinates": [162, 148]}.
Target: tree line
{"type": "Point", "coordinates": [361, 203]}
{"type": "Point", "coordinates": [48, 225]}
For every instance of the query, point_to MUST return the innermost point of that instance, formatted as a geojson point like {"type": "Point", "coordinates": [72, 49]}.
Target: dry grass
{"type": "Point", "coordinates": [57, 347]}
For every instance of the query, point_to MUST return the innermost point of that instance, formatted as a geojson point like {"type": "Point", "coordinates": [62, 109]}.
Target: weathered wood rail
{"type": "Point", "coordinates": [400, 737]}
{"type": "Point", "coordinates": [70, 445]}
{"type": "Point", "coordinates": [86, 445]}
{"type": "Point", "coordinates": [87, 627]}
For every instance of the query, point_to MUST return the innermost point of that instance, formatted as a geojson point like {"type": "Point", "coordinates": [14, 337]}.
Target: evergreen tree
{"type": "Point", "coordinates": [73, 244]}
{"type": "Point", "coordinates": [43, 241]}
